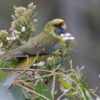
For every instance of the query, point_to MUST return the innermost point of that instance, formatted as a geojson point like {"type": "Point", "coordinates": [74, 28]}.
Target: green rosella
{"type": "Point", "coordinates": [44, 43]}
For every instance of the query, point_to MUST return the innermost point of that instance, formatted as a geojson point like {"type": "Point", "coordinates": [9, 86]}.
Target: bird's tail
{"type": "Point", "coordinates": [14, 53]}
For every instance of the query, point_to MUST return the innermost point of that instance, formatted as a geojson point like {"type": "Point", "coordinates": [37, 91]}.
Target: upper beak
{"type": "Point", "coordinates": [64, 27]}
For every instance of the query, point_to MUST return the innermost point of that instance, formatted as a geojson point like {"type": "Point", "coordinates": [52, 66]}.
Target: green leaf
{"type": "Point", "coordinates": [43, 90]}
{"type": "Point", "coordinates": [72, 93]}
{"type": "Point", "coordinates": [18, 93]}
{"type": "Point", "coordinates": [70, 62]}
{"type": "Point", "coordinates": [5, 94]}
{"type": "Point", "coordinates": [9, 80]}
{"type": "Point", "coordinates": [83, 84]}
{"type": "Point", "coordinates": [85, 90]}
{"type": "Point", "coordinates": [8, 63]}
{"type": "Point", "coordinates": [64, 83]}
{"type": "Point", "coordinates": [2, 75]}
{"type": "Point", "coordinates": [85, 96]}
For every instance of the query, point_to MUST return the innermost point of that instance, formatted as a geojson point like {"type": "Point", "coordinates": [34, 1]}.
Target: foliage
{"type": "Point", "coordinates": [8, 62]}
{"type": "Point", "coordinates": [2, 75]}
{"type": "Point", "coordinates": [51, 81]}
{"type": "Point", "coordinates": [23, 26]}
{"type": "Point", "coordinates": [43, 90]}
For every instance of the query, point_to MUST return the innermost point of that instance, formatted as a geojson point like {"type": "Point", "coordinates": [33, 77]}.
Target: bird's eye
{"type": "Point", "coordinates": [56, 25]}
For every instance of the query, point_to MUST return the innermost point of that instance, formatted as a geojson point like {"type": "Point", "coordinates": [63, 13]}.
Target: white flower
{"type": "Point", "coordinates": [67, 36]}
{"type": "Point", "coordinates": [23, 29]}
{"type": "Point", "coordinates": [77, 67]}
{"type": "Point", "coordinates": [37, 78]}
{"type": "Point", "coordinates": [88, 94]}
{"type": "Point", "coordinates": [23, 42]}
{"type": "Point", "coordinates": [82, 67]}
{"type": "Point", "coordinates": [35, 20]}
{"type": "Point", "coordinates": [67, 81]}
{"type": "Point", "coordinates": [13, 34]}
{"type": "Point", "coordinates": [16, 32]}
{"type": "Point", "coordinates": [62, 34]}
{"type": "Point", "coordinates": [30, 73]}
{"type": "Point", "coordinates": [63, 89]}
{"type": "Point", "coordinates": [99, 75]}
{"type": "Point", "coordinates": [1, 44]}
{"type": "Point", "coordinates": [13, 38]}
{"type": "Point", "coordinates": [34, 6]}
{"type": "Point", "coordinates": [71, 38]}
{"type": "Point", "coordinates": [34, 64]}
{"type": "Point", "coordinates": [12, 25]}
{"type": "Point", "coordinates": [17, 36]}
{"type": "Point", "coordinates": [8, 38]}
{"type": "Point", "coordinates": [41, 63]}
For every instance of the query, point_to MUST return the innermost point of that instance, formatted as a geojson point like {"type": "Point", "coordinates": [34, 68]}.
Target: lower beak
{"type": "Point", "coordinates": [64, 27]}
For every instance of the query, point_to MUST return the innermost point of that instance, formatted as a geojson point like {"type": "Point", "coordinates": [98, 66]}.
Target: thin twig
{"type": "Point", "coordinates": [12, 69]}
{"type": "Point", "coordinates": [53, 85]}
{"type": "Point", "coordinates": [59, 98]}
{"type": "Point", "coordinates": [22, 69]}
{"type": "Point", "coordinates": [34, 92]}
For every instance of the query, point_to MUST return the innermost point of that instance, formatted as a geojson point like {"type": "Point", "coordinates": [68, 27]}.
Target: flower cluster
{"type": "Point", "coordinates": [3, 41]}
{"type": "Point", "coordinates": [23, 23]}
{"type": "Point", "coordinates": [67, 36]}
{"type": "Point", "coordinates": [22, 27]}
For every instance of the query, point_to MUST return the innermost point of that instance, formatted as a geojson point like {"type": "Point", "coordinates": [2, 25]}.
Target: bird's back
{"type": "Point", "coordinates": [42, 44]}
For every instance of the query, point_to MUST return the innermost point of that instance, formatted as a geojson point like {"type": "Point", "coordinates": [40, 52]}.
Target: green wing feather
{"type": "Point", "coordinates": [39, 44]}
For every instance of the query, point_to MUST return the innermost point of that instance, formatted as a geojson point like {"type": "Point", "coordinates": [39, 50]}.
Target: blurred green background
{"type": "Point", "coordinates": [83, 21]}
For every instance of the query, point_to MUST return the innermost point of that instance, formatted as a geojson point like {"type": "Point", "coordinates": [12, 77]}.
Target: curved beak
{"type": "Point", "coordinates": [64, 27]}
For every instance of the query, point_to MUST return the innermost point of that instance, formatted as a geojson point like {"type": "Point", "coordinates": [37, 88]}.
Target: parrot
{"type": "Point", "coordinates": [44, 43]}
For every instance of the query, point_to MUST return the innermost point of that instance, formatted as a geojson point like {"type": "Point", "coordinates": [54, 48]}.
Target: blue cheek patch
{"type": "Point", "coordinates": [58, 31]}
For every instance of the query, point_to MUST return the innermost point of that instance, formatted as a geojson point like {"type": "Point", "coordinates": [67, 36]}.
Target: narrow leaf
{"type": "Point", "coordinates": [18, 93]}
{"type": "Point", "coordinates": [64, 83]}
{"type": "Point", "coordinates": [43, 90]}
{"type": "Point", "coordinates": [9, 80]}
{"type": "Point", "coordinates": [2, 75]}
{"type": "Point", "coordinates": [83, 84]}
{"type": "Point", "coordinates": [5, 94]}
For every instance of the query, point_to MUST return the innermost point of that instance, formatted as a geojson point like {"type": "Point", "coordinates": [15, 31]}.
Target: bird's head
{"type": "Point", "coordinates": [56, 27]}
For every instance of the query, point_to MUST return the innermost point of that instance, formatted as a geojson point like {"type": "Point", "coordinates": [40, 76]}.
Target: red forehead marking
{"type": "Point", "coordinates": [61, 23]}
